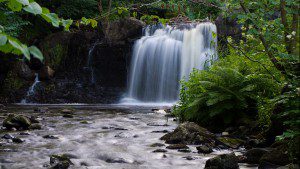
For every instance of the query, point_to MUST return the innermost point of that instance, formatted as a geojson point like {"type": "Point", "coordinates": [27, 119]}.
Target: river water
{"type": "Point", "coordinates": [98, 137]}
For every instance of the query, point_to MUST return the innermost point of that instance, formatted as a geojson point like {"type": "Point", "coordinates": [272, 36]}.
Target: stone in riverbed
{"type": "Point", "coordinates": [278, 156]}
{"type": "Point", "coordinates": [68, 116]}
{"type": "Point", "coordinates": [8, 136]}
{"type": "Point", "coordinates": [60, 161]}
{"type": "Point", "coordinates": [160, 151]}
{"type": "Point", "coordinates": [224, 161]}
{"type": "Point", "coordinates": [50, 137]}
{"type": "Point", "coordinates": [230, 142]}
{"type": "Point", "coordinates": [204, 149]}
{"type": "Point", "coordinates": [16, 121]}
{"type": "Point", "coordinates": [177, 146]}
{"type": "Point", "coordinates": [157, 145]}
{"type": "Point", "coordinates": [33, 119]}
{"type": "Point", "coordinates": [189, 133]}
{"type": "Point", "coordinates": [189, 158]}
{"type": "Point", "coordinates": [35, 126]}
{"type": "Point", "coordinates": [184, 150]}
{"type": "Point", "coordinates": [66, 111]}
{"type": "Point", "coordinates": [17, 140]}
{"type": "Point", "coordinates": [254, 155]}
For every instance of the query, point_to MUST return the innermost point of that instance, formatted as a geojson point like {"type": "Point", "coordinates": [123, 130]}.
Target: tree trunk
{"type": "Point", "coordinates": [100, 8]}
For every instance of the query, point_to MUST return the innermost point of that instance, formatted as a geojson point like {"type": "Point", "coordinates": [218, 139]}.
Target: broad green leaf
{"type": "Point", "coordinates": [14, 5]}
{"type": "Point", "coordinates": [36, 53]}
{"type": "Point", "coordinates": [94, 23]}
{"type": "Point", "coordinates": [67, 23]}
{"type": "Point", "coordinates": [3, 39]}
{"type": "Point", "coordinates": [20, 47]}
{"type": "Point", "coordinates": [45, 10]}
{"type": "Point", "coordinates": [51, 18]}
{"type": "Point", "coordinates": [34, 8]}
{"type": "Point", "coordinates": [24, 2]}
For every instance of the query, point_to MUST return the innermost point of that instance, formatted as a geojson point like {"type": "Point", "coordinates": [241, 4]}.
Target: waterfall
{"type": "Point", "coordinates": [31, 90]}
{"type": "Point", "coordinates": [164, 56]}
{"type": "Point", "coordinates": [90, 63]}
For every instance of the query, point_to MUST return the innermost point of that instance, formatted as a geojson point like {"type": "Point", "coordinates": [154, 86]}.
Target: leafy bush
{"type": "Point", "coordinates": [77, 9]}
{"type": "Point", "coordinates": [226, 91]}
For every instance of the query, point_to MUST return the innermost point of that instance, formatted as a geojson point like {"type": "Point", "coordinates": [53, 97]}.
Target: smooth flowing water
{"type": "Point", "coordinates": [164, 56]}
{"type": "Point", "coordinates": [31, 90]}
{"type": "Point", "coordinates": [98, 139]}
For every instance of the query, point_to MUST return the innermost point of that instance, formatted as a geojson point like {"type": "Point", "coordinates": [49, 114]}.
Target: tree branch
{"type": "Point", "coordinates": [270, 54]}
{"type": "Point", "coordinates": [286, 26]}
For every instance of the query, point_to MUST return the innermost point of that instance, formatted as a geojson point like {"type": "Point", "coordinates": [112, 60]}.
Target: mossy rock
{"type": "Point", "coordinates": [231, 142]}
{"type": "Point", "coordinates": [16, 121]}
{"type": "Point", "coordinates": [60, 161]}
{"type": "Point", "coordinates": [223, 161]}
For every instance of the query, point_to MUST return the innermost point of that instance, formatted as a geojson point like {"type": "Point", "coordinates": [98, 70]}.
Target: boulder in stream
{"type": "Point", "coordinates": [16, 121]}
{"type": "Point", "coordinates": [230, 142]}
{"type": "Point", "coordinates": [189, 133]}
{"type": "Point", "coordinates": [223, 161]}
{"type": "Point", "coordinates": [254, 155]}
{"type": "Point", "coordinates": [60, 162]}
{"type": "Point", "coordinates": [204, 149]}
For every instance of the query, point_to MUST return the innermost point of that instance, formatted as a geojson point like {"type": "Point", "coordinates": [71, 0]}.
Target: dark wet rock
{"type": "Point", "coordinates": [35, 126]}
{"type": "Point", "coordinates": [185, 150]}
{"type": "Point", "coordinates": [66, 111]}
{"type": "Point", "coordinates": [230, 142]}
{"type": "Point", "coordinates": [254, 155]}
{"type": "Point", "coordinates": [189, 133]}
{"type": "Point", "coordinates": [278, 156]}
{"type": "Point", "coordinates": [160, 151]}
{"type": "Point", "coordinates": [60, 162]}
{"type": "Point", "coordinates": [170, 115]}
{"type": "Point", "coordinates": [16, 121]}
{"type": "Point", "coordinates": [119, 128]}
{"type": "Point", "coordinates": [116, 160]}
{"type": "Point", "coordinates": [160, 131]}
{"type": "Point", "coordinates": [124, 29]}
{"type": "Point", "coordinates": [50, 137]}
{"type": "Point", "coordinates": [17, 140]}
{"type": "Point", "coordinates": [156, 124]}
{"type": "Point", "coordinates": [157, 145]}
{"type": "Point", "coordinates": [84, 164]}
{"type": "Point", "coordinates": [68, 116]}
{"type": "Point", "coordinates": [24, 134]}
{"type": "Point", "coordinates": [224, 161]}
{"type": "Point", "coordinates": [41, 109]}
{"type": "Point", "coordinates": [134, 118]}
{"type": "Point", "coordinates": [8, 136]}
{"type": "Point", "coordinates": [256, 143]}
{"type": "Point", "coordinates": [84, 122]}
{"type": "Point", "coordinates": [106, 128]}
{"type": "Point", "coordinates": [46, 73]}
{"type": "Point", "coordinates": [135, 136]}
{"type": "Point", "coordinates": [189, 158]}
{"type": "Point", "coordinates": [33, 119]}
{"type": "Point", "coordinates": [177, 146]}
{"type": "Point", "coordinates": [204, 149]}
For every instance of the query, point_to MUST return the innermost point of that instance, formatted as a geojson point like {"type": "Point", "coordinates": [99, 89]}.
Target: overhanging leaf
{"type": "Point", "coordinates": [36, 53]}
{"type": "Point", "coordinates": [34, 8]}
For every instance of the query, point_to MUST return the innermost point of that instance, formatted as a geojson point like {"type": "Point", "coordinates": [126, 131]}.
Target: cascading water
{"type": "Point", "coordinates": [90, 63]}
{"type": "Point", "coordinates": [164, 56]}
{"type": "Point", "coordinates": [31, 90]}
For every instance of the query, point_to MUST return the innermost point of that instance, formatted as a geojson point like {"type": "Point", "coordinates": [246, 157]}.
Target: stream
{"type": "Point", "coordinates": [98, 136]}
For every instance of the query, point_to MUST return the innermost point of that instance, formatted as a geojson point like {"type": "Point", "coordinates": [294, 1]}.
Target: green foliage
{"type": "Point", "coordinates": [224, 91]}
{"type": "Point", "coordinates": [77, 9]}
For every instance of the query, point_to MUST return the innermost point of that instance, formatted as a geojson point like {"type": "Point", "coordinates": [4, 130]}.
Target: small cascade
{"type": "Point", "coordinates": [164, 56]}
{"type": "Point", "coordinates": [31, 90]}
{"type": "Point", "coordinates": [90, 63]}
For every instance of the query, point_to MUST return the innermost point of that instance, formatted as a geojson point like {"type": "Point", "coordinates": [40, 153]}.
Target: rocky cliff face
{"type": "Point", "coordinates": [87, 66]}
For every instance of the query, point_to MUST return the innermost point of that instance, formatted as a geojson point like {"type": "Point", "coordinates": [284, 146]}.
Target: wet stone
{"type": "Point", "coordinates": [68, 116]}
{"type": "Point", "coordinates": [8, 136]}
{"type": "Point", "coordinates": [184, 150]}
{"type": "Point", "coordinates": [177, 146]}
{"type": "Point", "coordinates": [189, 158]}
{"type": "Point", "coordinates": [160, 131]}
{"type": "Point", "coordinates": [156, 124]}
{"type": "Point", "coordinates": [204, 149]}
{"type": "Point", "coordinates": [17, 140]}
{"type": "Point", "coordinates": [50, 137]}
{"type": "Point", "coordinates": [115, 160]}
{"type": "Point", "coordinates": [60, 162]}
{"type": "Point", "coordinates": [160, 151]}
{"type": "Point", "coordinates": [35, 126]}
{"type": "Point", "coordinates": [157, 145]}
{"type": "Point", "coordinates": [24, 134]}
